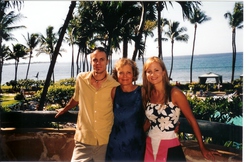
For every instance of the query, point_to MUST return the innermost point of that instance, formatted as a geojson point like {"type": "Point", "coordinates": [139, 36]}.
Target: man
{"type": "Point", "coordinates": [95, 116]}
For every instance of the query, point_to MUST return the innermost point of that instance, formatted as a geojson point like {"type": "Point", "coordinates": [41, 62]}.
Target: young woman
{"type": "Point", "coordinates": [127, 138]}
{"type": "Point", "coordinates": [163, 106]}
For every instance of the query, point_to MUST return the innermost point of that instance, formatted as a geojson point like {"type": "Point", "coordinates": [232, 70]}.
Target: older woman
{"type": "Point", "coordinates": [127, 138]}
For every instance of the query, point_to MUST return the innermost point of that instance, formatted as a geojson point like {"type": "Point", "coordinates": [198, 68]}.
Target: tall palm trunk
{"type": "Point", "coordinates": [1, 70]}
{"type": "Point", "coordinates": [78, 62]}
{"type": "Point", "coordinates": [140, 30]}
{"type": "Point", "coordinates": [16, 69]}
{"type": "Point", "coordinates": [172, 58]}
{"type": "Point", "coordinates": [234, 53]}
{"type": "Point", "coordinates": [192, 57]}
{"type": "Point", "coordinates": [125, 47]}
{"type": "Point", "coordinates": [159, 29]}
{"type": "Point", "coordinates": [109, 52]}
{"type": "Point", "coordinates": [72, 62]}
{"type": "Point", "coordinates": [56, 52]}
{"type": "Point", "coordinates": [1, 63]}
{"type": "Point", "coordinates": [27, 73]}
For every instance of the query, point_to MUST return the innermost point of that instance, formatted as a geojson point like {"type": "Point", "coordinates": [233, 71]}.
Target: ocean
{"type": "Point", "coordinates": [220, 63]}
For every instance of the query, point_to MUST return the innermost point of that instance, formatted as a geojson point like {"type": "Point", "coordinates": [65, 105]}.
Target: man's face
{"type": "Point", "coordinates": [99, 61]}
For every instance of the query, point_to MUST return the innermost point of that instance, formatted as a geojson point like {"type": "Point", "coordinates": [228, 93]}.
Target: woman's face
{"type": "Point", "coordinates": [125, 75]}
{"type": "Point", "coordinates": [155, 73]}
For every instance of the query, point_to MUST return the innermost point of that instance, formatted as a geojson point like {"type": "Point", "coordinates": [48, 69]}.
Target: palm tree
{"type": "Point", "coordinates": [4, 54]}
{"type": "Point", "coordinates": [147, 13]}
{"type": "Point", "coordinates": [55, 54]}
{"type": "Point", "coordinates": [163, 22]}
{"type": "Point", "coordinates": [109, 32]}
{"type": "Point", "coordinates": [198, 17]}
{"type": "Point", "coordinates": [188, 8]}
{"type": "Point", "coordinates": [175, 33]}
{"type": "Point", "coordinates": [71, 37]}
{"type": "Point", "coordinates": [149, 26]}
{"type": "Point", "coordinates": [159, 29]}
{"type": "Point", "coordinates": [235, 21]}
{"type": "Point", "coordinates": [32, 42]}
{"type": "Point", "coordinates": [19, 51]}
{"type": "Point", "coordinates": [97, 20]}
{"type": "Point", "coordinates": [48, 44]}
{"type": "Point", "coordinates": [7, 19]}
{"type": "Point", "coordinates": [128, 24]}
{"type": "Point", "coordinates": [84, 33]}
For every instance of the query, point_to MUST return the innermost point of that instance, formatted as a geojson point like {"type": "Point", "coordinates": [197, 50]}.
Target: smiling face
{"type": "Point", "coordinates": [155, 73]}
{"type": "Point", "coordinates": [99, 61]}
{"type": "Point", "coordinates": [125, 75]}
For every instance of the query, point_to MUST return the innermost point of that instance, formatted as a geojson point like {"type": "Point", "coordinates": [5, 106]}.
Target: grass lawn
{"type": "Point", "coordinates": [7, 99]}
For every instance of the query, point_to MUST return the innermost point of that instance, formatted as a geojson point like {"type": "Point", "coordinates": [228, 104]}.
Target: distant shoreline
{"type": "Point", "coordinates": [217, 63]}
{"type": "Point", "coordinates": [23, 63]}
{"type": "Point", "coordinates": [36, 62]}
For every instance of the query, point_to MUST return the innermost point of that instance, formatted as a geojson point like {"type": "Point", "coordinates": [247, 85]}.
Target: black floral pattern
{"type": "Point", "coordinates": [163, 116]}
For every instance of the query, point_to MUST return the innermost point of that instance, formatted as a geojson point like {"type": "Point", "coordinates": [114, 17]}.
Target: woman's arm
{"type": "Point", "coordinates": [179, 99]}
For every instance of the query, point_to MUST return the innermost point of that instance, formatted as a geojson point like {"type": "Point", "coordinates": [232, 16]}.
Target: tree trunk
{"type": "Point", "coordinates": [159, 9]}
{"type": "Point", "coordinates": [56, 52]}
{"type": "Point", "coordinates": [1, 62]}
{"type": "Point", "coordinates": [27, 73]}
{"type": "Point", "coordinates": [72, 63]}
{"type": "Point", "coordinates": [192, 57]}
{"type": "Point", "coordinates": [234, 53]}
{"type": "Point", "coordinates": [77, 62]}
{"type": "Point", "coordinates": [125, 47]}
{"type": "Point", "coordinates": [1, 70]}
{"type": "Point", "coordinates": [172, 58]}
{"type": "Point", "coordinates": [138, 36]}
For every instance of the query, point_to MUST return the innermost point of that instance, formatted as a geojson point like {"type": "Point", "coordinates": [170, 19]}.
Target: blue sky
{"type": "Point", "coordinates": [213, 36]}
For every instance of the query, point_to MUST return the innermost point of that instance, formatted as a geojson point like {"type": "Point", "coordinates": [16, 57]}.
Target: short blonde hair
{"type": "Point", "coordinates": [122, 62]}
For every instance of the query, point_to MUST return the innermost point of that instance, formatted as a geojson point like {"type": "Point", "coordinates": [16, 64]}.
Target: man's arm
{"type": "Point", "coordinates": [71, 104]}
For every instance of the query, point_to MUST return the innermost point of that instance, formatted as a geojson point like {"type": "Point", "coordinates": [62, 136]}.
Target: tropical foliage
{"type": "Point", "coordinates": [220, 109]}
{"type": "Point", "coordinates": [7, 19]}
{"type": "Point", "coordinates": [57, 94]}
{"type": "Point", "coordinates": [18, 51]}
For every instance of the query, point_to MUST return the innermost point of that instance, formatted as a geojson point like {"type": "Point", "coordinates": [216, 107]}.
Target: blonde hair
{"type": "Point", "coordinates": [147, 86]}
{"type": "Point", "coordinates": [122, 62]}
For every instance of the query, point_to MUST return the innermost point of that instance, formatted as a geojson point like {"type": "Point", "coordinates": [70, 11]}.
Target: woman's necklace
{"type": "Point", "coordinates": [99, 79]}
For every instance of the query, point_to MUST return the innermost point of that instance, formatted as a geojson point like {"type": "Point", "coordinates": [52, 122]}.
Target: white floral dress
{"type": "Point", "coordinates": [161, 136]}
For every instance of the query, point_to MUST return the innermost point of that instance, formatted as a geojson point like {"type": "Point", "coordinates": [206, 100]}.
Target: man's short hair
{"type": "Point", "coordinates": [102, 49]}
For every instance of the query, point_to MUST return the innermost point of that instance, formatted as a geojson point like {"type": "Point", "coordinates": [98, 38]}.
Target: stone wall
{"type": "Point", "coordinates": [57, 145]}
{"type": "Point", "coordinates": [36, 146]}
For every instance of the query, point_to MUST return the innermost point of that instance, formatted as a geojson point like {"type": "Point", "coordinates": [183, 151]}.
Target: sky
{"type": "Point", "coordinates": [213, 36]}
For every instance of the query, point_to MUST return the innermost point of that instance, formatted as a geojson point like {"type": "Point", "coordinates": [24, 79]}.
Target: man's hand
{"type": "Point", "coordinates": [59, 112]}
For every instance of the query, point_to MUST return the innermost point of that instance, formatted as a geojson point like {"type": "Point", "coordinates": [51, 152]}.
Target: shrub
{"type": "Point", "coordinates": [19, 97]}
{"type": "Point", "coordinates": [59, 93]}
{"type": "Point", "coordinates": [216, 109]}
